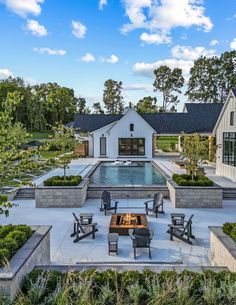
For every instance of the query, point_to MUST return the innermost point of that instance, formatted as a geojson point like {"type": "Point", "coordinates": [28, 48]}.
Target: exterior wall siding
{"type": "Point", "coordinates": [121, 130]}
{"type": "Point", "coordinates": [222, 169]}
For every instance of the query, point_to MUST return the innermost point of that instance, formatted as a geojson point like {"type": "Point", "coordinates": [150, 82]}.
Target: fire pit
{"type": "Point", "coordinates": [121, 223]}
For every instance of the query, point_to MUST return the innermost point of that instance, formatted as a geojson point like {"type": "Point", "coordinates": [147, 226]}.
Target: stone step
{"type": "Point", "coordinates": [25, 193]}
{"type": "Point", "coordinates": [229, 193]}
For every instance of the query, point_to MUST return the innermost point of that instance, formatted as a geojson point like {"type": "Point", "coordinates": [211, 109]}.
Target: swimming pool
{"type": "Point", "coordinates": [135, 174]}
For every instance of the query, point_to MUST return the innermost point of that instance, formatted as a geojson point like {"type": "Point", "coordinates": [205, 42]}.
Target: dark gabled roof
{"type": "Point", "coordinates": [198, 118]}
{"type": "Point", "coordinates": [234, 91]}
{"type": "Point", "coordinates": [91, 122]}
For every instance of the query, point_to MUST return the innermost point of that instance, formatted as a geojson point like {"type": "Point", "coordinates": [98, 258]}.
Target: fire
{"type": "Point", "coordinates": [128, 219]}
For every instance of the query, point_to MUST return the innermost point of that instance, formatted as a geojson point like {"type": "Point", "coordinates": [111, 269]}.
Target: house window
{"type": "Point", "coordinates": [131, 127]}
{"type": "Point", "coordinates": [103, 146]}
{"type": "Point", "coordinates": [229, 148]}
{"type": "Point", "coordinates": [231, 118]}
{"type": "Point", "coordinates": [131, 146]}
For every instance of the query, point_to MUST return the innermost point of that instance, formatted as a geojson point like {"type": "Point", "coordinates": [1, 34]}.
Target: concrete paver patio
{"type": "Point", "coordinates": [64, 251]}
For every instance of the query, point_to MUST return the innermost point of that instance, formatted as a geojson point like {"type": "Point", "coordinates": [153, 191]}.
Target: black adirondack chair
{"type": "Point", "coordinates": [108, 204]}
{"type": "Point", "coordinates": [182, 231]}
{"type": "Point", "coordinates": [155, 205]}
{"type": "Point", "coordinates": [83, 231]}
{"type": "Point", "coordinates": [141, 238]}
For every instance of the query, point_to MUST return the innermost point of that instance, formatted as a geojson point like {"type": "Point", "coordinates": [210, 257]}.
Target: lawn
{"type": "Point", "coordinates": [41, 135]}
{"type": "Point", "coordinates": [167, 143]}
{"type": "Point", "coordinates": [47, 154]}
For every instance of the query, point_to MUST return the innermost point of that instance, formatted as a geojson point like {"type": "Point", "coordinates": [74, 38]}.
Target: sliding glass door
{"type": "Point", "coordinates": [131, 146]}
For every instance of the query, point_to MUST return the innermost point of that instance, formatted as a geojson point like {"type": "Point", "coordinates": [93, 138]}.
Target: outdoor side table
{"type": "Point", "coordinates": [113, 239]}
{"type": "Point", "coordinates": [177, 219]}
{"type": "Point", "coordinates": [86, 218]}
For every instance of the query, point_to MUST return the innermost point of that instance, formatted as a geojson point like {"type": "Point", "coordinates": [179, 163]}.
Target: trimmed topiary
{"type": "Point", "coordinates": [229, 228]}
{"type": "Point", "coordinates": [186, 180]}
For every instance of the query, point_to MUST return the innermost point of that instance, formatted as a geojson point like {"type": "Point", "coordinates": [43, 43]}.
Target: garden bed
{"type": "Point", "coordinates": [186, 180]}
{"type": "Point", "coordinates": [61, 181]}
{"type": "Point", "coordinates": [131, 287]}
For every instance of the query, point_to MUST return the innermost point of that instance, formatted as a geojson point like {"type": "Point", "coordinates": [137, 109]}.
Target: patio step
{"type": "Point", "coordinates": [25, 194]}
{"type": "Point", "coordinates": [229, 193]}
{"type": "Point", "coordinates": [126, 266]}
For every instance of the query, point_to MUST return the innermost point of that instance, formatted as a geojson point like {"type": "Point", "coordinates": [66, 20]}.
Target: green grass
{"type": "Point", "coordinates": [41, 135]}
{"type": "Point", "coordinates": [166, 142]}
{"type": "Point", "coordinates": [49, 154]}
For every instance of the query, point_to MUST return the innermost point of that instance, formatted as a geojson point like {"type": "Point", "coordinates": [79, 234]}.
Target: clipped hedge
{"type": "Point", "coordinates": [12, 238]}
{"type": "Point", "coordinates": [131, 287]}
{"type": "Point", "coordinates": [59, 181]}
{"type": "Point", "coordinates": [229, 228]}
{"type": "Point", "coordinates": [186, 180]}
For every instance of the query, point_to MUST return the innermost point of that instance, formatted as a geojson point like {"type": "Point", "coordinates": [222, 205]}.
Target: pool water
{"type": "Point", "coordinates": [138, 173]}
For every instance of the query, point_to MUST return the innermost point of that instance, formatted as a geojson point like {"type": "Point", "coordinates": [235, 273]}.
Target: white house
{"type": "Point", "coordinates": [225, 131]}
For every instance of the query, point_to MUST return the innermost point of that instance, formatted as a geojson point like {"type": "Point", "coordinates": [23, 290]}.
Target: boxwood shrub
{"type": "Point", "coordinates": [131, 287]}
{"type": "Point", "coordinates": [186, 180]}
{"type": "Point", "coordinates": [229, 228]}
{"type": "Point", "coordinates": [12, 238]}
{"type": "Point", "coordinates": [59, 181]}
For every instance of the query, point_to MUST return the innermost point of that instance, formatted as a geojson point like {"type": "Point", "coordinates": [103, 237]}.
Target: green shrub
{"type": "Point", "coordinates": [186, 180]}
{"type": "Point", "coordinates": [59, 181]}
{"type": "Point", "coordinates": [229, 228]}
{"type": "Point", "coordinates": [12, 238]}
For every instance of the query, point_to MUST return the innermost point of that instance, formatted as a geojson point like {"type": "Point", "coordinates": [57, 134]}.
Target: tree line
{"type": "Point", "coordinates": [42, 106]}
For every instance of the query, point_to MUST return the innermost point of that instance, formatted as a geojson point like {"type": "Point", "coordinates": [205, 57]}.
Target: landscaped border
{"type": "Point", "coordinates": [36, 251]}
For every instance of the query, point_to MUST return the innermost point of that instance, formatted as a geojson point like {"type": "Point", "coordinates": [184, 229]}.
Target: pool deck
{"type": "Point", "coordinates": [64, 251]}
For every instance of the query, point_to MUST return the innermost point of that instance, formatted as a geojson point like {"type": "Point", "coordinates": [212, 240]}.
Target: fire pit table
{"type": "Point", "coordinates": [121, 223]}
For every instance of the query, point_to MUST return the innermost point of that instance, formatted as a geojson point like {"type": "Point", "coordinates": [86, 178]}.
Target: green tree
{"type": "Point", "coordinates": [81, 105]}
{"type": "Point", "coordinates": [195, 149]}
{"type": "Point", "coordinates": [112, 97]}
{"type": "Point", "coordinates": [168, 82]}
{"type": "Point", "coordinates": [98, 108]}
{"type": "Point", "coordinates": [64, 139]}
{"type": "Point", "coordinates": [212, 78]}
{"type": "Point", "coordinates": [147, 105]}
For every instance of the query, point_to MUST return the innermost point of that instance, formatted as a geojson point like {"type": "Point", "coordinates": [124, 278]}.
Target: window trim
{"type": "Point", "coordinates": [231, 118]}
{"type": "Point", "coordinates": [229, 149]}
{"type": "Point", "coordinates": [132, 149]}
{"type": "Point", "coordinates": [103, 138]}
{"type": "Point", "coordinates": [131, 127]}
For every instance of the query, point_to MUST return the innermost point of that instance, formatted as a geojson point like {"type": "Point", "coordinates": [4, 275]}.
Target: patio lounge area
{"type": "Point", "coordinates": [64, 251]}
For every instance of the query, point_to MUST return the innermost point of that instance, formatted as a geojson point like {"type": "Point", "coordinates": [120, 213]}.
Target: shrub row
{"type": "Point", "coordinates": [229, 228]}
{"type": "Point", "coordinates": [59, 181]}
{"type": "Point", "coordinates": [186, 180]}
{"type": "Point", "coordinates": [12, 238]}
{"type": "Point", "coordinates": [132, 287]}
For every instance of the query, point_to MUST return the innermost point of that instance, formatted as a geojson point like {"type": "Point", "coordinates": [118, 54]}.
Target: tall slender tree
{"type": "Point", "coordinates": [169, 82]}
{"type": "Point", "coordinates": [112, 97]}
{"type": "Point", "coordinates": [81, 105]}
{"type": "Point", "coordinates": [147, 105]}
{"type": "Point", "coordinates": [98, 108]}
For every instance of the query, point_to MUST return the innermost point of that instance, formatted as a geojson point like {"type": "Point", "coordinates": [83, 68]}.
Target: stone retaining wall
{"type": "Point", "coordinates": [223, 249]}
{"type": "Point", "coordinates": [61, 196]}
{"type": "Point", "coordinates": [36, 251]}
{"type": "Point", "coordinates": [195, 196]}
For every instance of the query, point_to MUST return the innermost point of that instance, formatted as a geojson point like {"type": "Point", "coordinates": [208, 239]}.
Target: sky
{"type": "Point", "coordinates": [82, 43]}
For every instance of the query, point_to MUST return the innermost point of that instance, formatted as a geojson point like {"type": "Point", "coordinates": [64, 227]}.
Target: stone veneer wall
{"type": "Point", "coordinates": [61, 196]}
{"type": "Point", "coordinates": [195, 196]}
{"type": "Point", "coordinates": [36, 251]}
{"type": "Point", "coordinates": [223, 249]}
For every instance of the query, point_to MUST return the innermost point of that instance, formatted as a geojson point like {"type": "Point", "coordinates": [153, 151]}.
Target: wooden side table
{"type": "Point", "coordinates": [113, 239]}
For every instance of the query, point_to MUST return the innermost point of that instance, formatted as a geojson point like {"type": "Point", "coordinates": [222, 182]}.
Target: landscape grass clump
{"type": "Point", "coordinates": [110, 287]}
{"type": "Point", "coordinates": [60, 181]}
{"type": "Point", "coordinates": [186, 180]}
{"type": "Point", "coordinates": [12, 238]}
{"type": "Point", "coordinates": [229, 228]}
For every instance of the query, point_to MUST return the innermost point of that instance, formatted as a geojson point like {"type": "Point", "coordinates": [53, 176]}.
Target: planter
{"type": "Point", "coordinates": [223, 249]}
{"type": "Point", "coordinates": [36, 251]}
{"type": "Point", "coordinates": [195, 196]}
{"type": "Point", "coordinates": [61, 196]}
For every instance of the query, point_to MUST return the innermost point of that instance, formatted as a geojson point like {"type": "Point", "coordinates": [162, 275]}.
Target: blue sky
{"type": "Point", "coordinates": [82, 43]}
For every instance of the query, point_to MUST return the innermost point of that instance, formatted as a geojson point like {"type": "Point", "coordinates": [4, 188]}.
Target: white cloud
{"type": "Point", "coordinates": [146, 69]}
{"type": "Point", "coordinates": [49, 51]}
{"type": "Point", "coordinates": [5, 73]}
{"type": "Point", "coordinates": [155, 38]}
{"type": "Point", "coordinates": [35, 28]}
{"type": "Point", "coordinates": [160, 17]}
{"type": "Point", "coordinates": [136, 87]}
{"type": "Point", "coordinates": [214, 42]}
{"type": "Point", "coordinates": [190, 53]}
{"type": "Point", "coordinates": [233, 44]}
{"type": "Point", "coordinates": [78, 29]}
{"type": "Point", "coordinates": [88, 57]}
{"type": "Point", "coordinates": [102, 3]}
{"type": "Point", "coordinates": [112, 59]}
{"type": "Point", "coordinates": [24, 7]}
